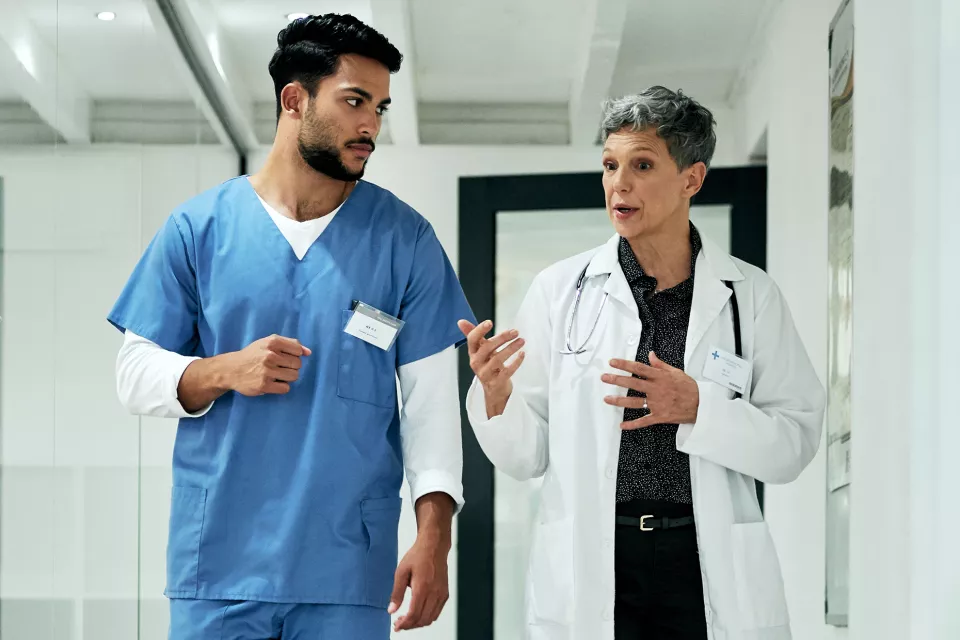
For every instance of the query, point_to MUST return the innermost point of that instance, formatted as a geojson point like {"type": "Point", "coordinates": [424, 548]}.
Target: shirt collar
{"type": "Point", "coordinates": [636, 275]}
{"type": "Point", "coordinates": [714, 262]}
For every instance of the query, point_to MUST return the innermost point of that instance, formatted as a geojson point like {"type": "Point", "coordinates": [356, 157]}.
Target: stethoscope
{"type": "Point", "coordinates": [569, 349]}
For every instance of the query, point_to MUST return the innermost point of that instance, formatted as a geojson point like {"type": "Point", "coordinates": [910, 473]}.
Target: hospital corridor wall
{"type": "Point", "coordinates": [84, 486]}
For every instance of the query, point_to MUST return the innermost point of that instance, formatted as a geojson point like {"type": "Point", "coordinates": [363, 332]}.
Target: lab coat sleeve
{"type": "Point", "coordinates": [148, 377]}
{"type": "Point", "coordinates": [516, 441]}
{"type": "Point", "coordinates": [775, 435]}
{"type": "Point", "coordinates": [430, 426]}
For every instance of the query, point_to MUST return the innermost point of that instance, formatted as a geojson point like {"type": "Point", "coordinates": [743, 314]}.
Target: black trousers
{"type": "Point", "coordinates": [658, 583]}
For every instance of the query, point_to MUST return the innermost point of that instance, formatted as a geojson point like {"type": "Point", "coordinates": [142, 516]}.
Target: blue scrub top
{"type": "Point", "coordinates": [292, 498]}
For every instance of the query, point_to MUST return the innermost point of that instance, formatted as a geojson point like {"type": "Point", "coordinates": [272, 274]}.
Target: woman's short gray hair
{"type": "Point", "coordinates": [683, 123]}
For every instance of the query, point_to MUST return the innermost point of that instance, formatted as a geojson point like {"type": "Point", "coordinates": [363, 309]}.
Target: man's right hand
{"type": "Point", "coordinates": [488, 359]}
{"type": "Point", "coordinates": [268, 365]}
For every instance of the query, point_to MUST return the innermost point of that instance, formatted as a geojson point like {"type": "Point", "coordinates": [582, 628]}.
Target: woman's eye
{"type": "Point", "coordinates": [353, 102]}
{"type": "Point", "coordinates": [382, 110]}
{"type": "Point", "coordinates": [609, 166]}
{"type": "Point", "coordinates": [644, 166]}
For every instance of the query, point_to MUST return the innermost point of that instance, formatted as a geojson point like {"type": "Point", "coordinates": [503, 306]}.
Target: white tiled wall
{"type": "Point", "coordinates": [85, 487]}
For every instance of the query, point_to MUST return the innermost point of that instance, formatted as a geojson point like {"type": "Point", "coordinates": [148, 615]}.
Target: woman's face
{"type": "Point", "coordinates": [645, 192]}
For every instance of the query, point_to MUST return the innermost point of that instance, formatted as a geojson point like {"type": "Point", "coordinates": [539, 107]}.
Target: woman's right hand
{"type": "Point", "coordinates": [488, 360]}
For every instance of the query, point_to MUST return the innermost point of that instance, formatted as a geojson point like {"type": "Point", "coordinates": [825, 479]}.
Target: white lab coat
{"type": "Point", "coordinates": [556, 425]}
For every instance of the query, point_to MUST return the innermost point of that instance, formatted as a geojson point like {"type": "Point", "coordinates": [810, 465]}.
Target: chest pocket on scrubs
{"type": "Point", "coordinates": [366, 373]}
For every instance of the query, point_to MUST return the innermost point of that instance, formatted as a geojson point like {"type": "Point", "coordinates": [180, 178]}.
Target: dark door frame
{"type": "Point", "coordinates": [743, 188]}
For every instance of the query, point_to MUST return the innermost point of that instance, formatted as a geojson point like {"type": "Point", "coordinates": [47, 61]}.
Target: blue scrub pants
{"type": "Point", "coordinates": [240, 620]}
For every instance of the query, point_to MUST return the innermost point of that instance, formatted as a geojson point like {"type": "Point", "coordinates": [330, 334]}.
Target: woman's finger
{"type": "Point", "coordinates": [627, 402]}
{"type": "Point", "coordinates": [627, 382]}
{"type": "Point", "coordinates": [504, 354]}
{"type": "Point", "coordinates": [475, 339]}
{"type": "Point", "coordinates": [648, 420]}
{"type": "Point", "coordinates": [490, 346]}
{"type": "Point", "coordinates": [496, 366]}
{"type": "Point", "coordinates": [636, 368]}
{"type": "Point", "coordinates": [513, 366]}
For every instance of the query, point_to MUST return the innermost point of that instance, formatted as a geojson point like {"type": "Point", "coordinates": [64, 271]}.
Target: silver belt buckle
{"type": "Point", "coordinates": [643, 523]}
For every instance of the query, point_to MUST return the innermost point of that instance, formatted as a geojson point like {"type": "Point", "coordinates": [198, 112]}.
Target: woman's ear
{"type": "Point", "coordinates": [695, 175]}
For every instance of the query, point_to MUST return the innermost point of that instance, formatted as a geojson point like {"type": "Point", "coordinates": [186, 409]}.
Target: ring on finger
{"type": "Point", "coordinates": [645, 406]}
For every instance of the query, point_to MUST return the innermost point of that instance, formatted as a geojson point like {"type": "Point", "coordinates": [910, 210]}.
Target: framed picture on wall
{"type": "Point", "coordinates": [840, 321]}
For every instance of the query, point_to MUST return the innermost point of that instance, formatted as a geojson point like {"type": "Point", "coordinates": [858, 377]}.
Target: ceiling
{"type": "Point", "coordinates": [482, 71]}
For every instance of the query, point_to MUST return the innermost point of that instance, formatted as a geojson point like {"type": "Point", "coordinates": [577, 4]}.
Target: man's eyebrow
{"type": "Point", "coordinates": [360, 92]}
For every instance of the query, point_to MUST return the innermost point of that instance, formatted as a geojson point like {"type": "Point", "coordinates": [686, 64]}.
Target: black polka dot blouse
{"type": "Point", "coordinates": [650, 467]}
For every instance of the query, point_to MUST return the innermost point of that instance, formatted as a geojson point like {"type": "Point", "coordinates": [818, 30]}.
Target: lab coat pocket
{"type": "Point", "coordinates": [551, 573]}
{"type": "Point", "coordinates": [758, 579]}
{"type": "Point", "coordinates": [187, 507]}
{"type": "Point", "coordinates": [366, 373]}
{"type": "Point", "coordinates": [381, 518]}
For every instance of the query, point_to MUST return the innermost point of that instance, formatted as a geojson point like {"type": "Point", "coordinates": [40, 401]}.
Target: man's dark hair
{"type": "Point", "coordinates": [308, 50]}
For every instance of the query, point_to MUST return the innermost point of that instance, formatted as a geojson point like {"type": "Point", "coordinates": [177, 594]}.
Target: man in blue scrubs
{"type": "Point", "coordinates": [273, 314]}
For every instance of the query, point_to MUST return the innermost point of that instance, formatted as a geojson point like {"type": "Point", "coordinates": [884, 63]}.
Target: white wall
{"type": "Point", "coordinates": [72, 538]}
{"type": "Point", "coordinates": [786, 96]}
{"type": "Point", "coordinates": [904, 561]}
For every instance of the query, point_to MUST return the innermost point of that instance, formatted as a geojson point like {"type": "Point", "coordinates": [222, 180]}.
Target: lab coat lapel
{"type": "Point", "coordinates": [607, 262]}
{"type": "Point", "coordinates": [710, 294]}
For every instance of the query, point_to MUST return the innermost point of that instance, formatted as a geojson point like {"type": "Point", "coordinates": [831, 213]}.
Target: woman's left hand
{"type": "Point", "coordinates": [672, 397]}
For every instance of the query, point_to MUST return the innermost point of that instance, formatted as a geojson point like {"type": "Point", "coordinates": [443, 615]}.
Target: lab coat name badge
{"type": "Point", "coordinates": [727, 370]}
{"type": "Point", "coordinates": [373, 326]}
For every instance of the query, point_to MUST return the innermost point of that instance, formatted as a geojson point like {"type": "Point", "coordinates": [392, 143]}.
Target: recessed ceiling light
{"type": "Point", "coordinates": [296, 16]}
{"type": "Point", "coordinates": [106, 16]}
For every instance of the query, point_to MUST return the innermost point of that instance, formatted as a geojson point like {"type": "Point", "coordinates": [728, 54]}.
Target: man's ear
{"type": "Point", "coordinates": [292, 100]}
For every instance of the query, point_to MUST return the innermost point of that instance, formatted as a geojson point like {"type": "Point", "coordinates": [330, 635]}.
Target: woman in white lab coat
{"type": "Point", "coordinates": [650, 382]}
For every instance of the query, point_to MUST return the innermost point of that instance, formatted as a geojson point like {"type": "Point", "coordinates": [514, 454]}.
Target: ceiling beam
{"type": "Point", "coordinates": [392, 19]}
{"type": "Point", "coordinates": [32, 69]}
{"type": "Point", "coordinates": [598, 50]}
{"type": "Point", "coordinates": [193, 39]}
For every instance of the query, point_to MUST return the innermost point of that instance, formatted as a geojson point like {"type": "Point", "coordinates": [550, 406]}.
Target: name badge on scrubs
{"type": "Point", "coordinates": [373, 326]}
{"type": "Point", "coordinates": [726, 369]}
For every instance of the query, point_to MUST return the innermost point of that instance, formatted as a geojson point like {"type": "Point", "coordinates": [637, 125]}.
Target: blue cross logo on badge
{"type": "Point", "coordinates": [715, 355]}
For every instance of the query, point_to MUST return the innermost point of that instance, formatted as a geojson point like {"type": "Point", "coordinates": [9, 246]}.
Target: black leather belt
{"type": "Point", "coordinates": [649, 523]}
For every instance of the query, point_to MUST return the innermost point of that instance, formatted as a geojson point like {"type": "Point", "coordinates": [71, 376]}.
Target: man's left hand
{"type": "Point", "coordinates": [672, 397]}
{"type": "Point", "coordinates": [424, 570]}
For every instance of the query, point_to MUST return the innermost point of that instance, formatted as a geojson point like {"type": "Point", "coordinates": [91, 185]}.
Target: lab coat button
{"type": "Point", "coordinates": [608, 543]}
{"type": "Point", "coordinates": [607, 614]}
{"type": "Point", "coordinates": [611, 473]}
{"type": "Point", "coordinates": [708, 613]}
{"type": "Point", "coordinates": [632, 340]}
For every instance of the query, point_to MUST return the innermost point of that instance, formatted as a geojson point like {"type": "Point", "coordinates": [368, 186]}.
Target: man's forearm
{"type": "Point", "coordinates": [435, 519]}
{"type": "Point", "coordinates": [203, 381]}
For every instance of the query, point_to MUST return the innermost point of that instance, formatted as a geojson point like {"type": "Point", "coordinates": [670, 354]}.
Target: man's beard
{"type": "Point", "coordinates": [318, 148]}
